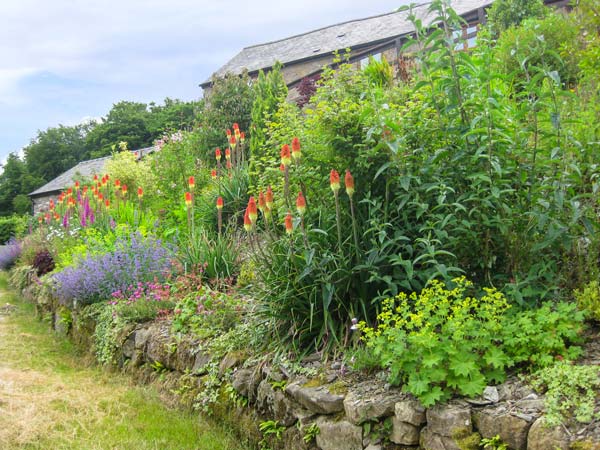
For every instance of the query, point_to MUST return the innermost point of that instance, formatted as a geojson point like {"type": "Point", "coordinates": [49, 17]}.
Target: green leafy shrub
{"type": "Point", "coordinates": [12, 226]}
{"type": "Point", "coordinates": [207, 313]}
{"type": "Point", "coordinates": [442, 342]}
{"type": "Point", "coordinates": [570, 392]}
{"type": "Point", "coordinates": [504, 14]}
{"type": "Point", "coordinates": [588, 300]}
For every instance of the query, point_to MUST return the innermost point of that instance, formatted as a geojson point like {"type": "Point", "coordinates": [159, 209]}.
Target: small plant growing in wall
{"type": "Point", "coordinates": [270, 428]}
{"type": "Point", "coordinates": [310, 434]}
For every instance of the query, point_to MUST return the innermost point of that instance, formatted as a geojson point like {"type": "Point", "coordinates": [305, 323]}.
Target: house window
{"type": "Point", "coordinates": [466, 37]}
{"type": "Point", "coordinates": [365, 61]}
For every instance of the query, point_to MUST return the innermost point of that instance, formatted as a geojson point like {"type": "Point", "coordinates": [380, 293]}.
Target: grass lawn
{"type": "Point", "coordinates": [50, 398]}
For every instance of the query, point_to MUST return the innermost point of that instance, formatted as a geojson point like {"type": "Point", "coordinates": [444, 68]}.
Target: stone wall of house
{"type": "Point", "coordinates": [350, 411]}
{"type": "Point", "coordinates": [41, 204]}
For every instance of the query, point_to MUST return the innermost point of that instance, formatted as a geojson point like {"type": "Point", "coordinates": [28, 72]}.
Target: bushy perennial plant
{"type": "Point", "coordinates": [96, 277]}
{"type": "Point", "coordinates": [9, 253]}
{"type": "Point", "coordinates": [442, 341]}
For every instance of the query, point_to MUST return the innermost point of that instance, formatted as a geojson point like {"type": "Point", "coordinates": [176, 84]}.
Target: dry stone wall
{"type": "Point", "coordinates": [351, 413]}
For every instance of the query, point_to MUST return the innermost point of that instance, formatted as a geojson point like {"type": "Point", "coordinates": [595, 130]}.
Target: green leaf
{"type": "Point", "coordinates": [432, 397]}
{"type": "Point", "coordinates": [463, 364]}
{"type": "Point", "coordinates": [432, 359]}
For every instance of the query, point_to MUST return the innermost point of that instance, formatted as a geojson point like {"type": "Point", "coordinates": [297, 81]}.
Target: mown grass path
{"type": "Point", "coordinates": [51, 399]}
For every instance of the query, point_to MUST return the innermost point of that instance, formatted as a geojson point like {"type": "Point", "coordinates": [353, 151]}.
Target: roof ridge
{"type": "Point", "coordinates": [331, 26]}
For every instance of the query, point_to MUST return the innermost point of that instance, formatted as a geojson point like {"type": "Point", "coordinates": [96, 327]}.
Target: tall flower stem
{"type": "Point", "coordinates": [338, 219]}
{"type": "Point", "coordinates": [354, 229]}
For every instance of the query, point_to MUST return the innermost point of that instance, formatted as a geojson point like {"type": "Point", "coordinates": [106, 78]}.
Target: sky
{"type": "Point", "coordinates": [67, 61]}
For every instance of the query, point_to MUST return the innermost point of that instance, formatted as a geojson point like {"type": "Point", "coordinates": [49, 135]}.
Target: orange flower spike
{"type": "Point", "coordinates": [70, 191]}
{"type": "Point", "coordinates": [247, 221]}
{"type": "Point", "coordinates": [242, 137]}
{"type": "Point", "coordinates": [124, 189]}
{"type": "Point", "coordinates": [262, 203]}
{"type": "Point", "coordinates": [218, 154]}
{"type": "Point", "coordinates": [100, 196]}
{"type": "Point", "coordinates": [56, 217]}
{"type": "Point", "coordinates": [232, 141]}
{"type": "Point", "coordinates": [213, 174]}
{"type": "Point", "coordinates": [77, 185]}
{"type": "Point", "coordinates": [51, 205]}
{"type": "Point", "coordinates": [117, 184]}
{"type": "Point", "coordinates": [296, 153]}
{"type": "Point", "coordinates": [252, 211]}
{"type": "Point", "coordinates": [285, 155]}
{"type": "Point", "coordinates": [235, 126]}
{"type": "Point", "coordinates": [107, 177]}
{"type": "Point", "coordinates": [349, 182]}
{"type": "Point", "coordinates": [188, 199]}
{"type": "Point", "coordinates": [192, 183]}
{"type": "Point", "coordinates": [334, 181]}
{"type": "Point", "coordinates": [301, 204]}
{"type": "Point", "coordinates": [40, 218]}
{"type": "Point", "coordinates": [229, 166]}
{"type": "Point", "coordinates": [289, 224]}
{"type": "Point", "coordinates": [219, 202]}
{"type": "Point", "coordinates": [227, 154]}
{"type": "Point", "coordinates": [107, 203]}
{"type": "Point", "coordinates": [95, 177]}
{"type": "Point", "coordinates": [140, 193]}
{"type": "Point", "coordinates": [237, 134]}
{"type": "Point", "coordinates": [85, 190]}
{"type": "Point", "coordinates": [228, 132]}
{"type": "Point", "coordinates": [269, 198]}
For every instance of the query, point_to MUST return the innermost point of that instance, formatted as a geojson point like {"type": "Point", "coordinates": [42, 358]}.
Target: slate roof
{"type": "Point", "coordinates": [324, 41]}
{"type": "Point", "coordinates": [83, 169]}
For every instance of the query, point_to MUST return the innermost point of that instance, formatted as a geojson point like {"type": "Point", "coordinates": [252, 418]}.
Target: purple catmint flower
{"type": "Point", "coordinates": [118, 274]}
{"type": "Point", "coordinates": [65, 221]}
{"type": "Point", "coordinates": [9, 253]}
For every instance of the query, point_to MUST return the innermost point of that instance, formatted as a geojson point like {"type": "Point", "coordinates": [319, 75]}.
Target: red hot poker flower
{"type": "Point", "coordinates": [334, 181]}
{"type": "Point", "coordinates": [77, 185]}
{"type": "Point", "coordinates": [140, 193]}
{"type": "Point", "coordinates": [236, 126]}
{"type": "Point", "coordinates": [218, 154]}
{"type": "Point", "coordinates": [252, 212]}
{"type": "Point", "coordinates": [117, 184]}
{"type": "Point", "coordinates": [349, 182]}
{"type": "Point", "coordinates": [242, 136]}
{"type": "Point", "coordinates": [107, 203]}
{"type": "Point", "coordinates": [232, 141]}
{"type": "Point", "coordinates": [301, 204]}
{"type": "Point", "coordinates": [289, 225]}
{"type": "Point", "coordinates": [124, 189]}
{"type": "Point", "coordinates": [247, 221]}
{"type": "Point", "coordinates": [227, 154]}
{"type": "Point", "coordinates": [191, 182]}
{"type": "Point", "coordinates": [213, 174]}
{"type": "Point", "coordinates": [188, 199]}
{"type": "Point", "coordinates": [228, 133]}
{"type": "Point", "coordinates": [219, 202]}
{"type": "Point", "coordinates": [285, 155]}
{"type": "Point", "coordinates": [296, 153]}
{"type": "Point", "coordinates": [262, 204]}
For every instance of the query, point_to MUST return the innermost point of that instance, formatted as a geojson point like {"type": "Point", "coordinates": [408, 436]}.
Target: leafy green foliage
{"type": "Point", "coordinates": [570, 392]}
{"type": "Point", "coordinates": [270, 91]}
{"type": "Point", "coordinates": [11, 226]}
{"type": "Point", "coordinates": [442, 342]}
{"type": "Point", "coordinates": [588, 300]}
{"type": "Point", "coordinates": [504, 14]}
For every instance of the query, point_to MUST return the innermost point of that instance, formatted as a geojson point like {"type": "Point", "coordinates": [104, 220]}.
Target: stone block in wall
{"type": "Point", "coordinates": [265, 395]}
{"type": "Point", "coordinates": [161, 346]}
{"type": "Point", "coordinates": [404, 433]}
{"type": "Point", "coordinates": [229, 361]}
{"type": "Point", "coordinates": [370, 401]}
{"type": "Point", "coordinates": [241, 381]}
{"type": "Point", "coordinates": [338, 435]}
{"type": "Point", "coordinates": [461, 440]}
{"type": "Point", "coordinates": [410, 410]}
{"type": "Point", "coordinates": [316, 399]}
{"type": "Point", "coordinates": [201, 359]}
{"type": "Point", "coordinates": [498, 420]}
{"type": "Point", "coordinates": [541, 437]}
{"type": "Point", "coordinates": [446, 419]}
{"type": "Point", "coordinates": [141, 338]}
{"type": "Point", "coordinates": [129, 346]}
{"type": "Point", "coordinates": [185, 355]}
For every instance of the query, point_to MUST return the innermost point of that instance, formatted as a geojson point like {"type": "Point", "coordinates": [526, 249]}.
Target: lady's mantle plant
{"type": "Point", "coordinates": [441, 342]}
{"type": "Point", "coordinates": [96, 277]}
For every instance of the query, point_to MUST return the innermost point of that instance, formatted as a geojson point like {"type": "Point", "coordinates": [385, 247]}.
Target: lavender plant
{"type": "Point", "coordinates": [9, 253]}
{"type": "Point", "coordinates": [94, 278]}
